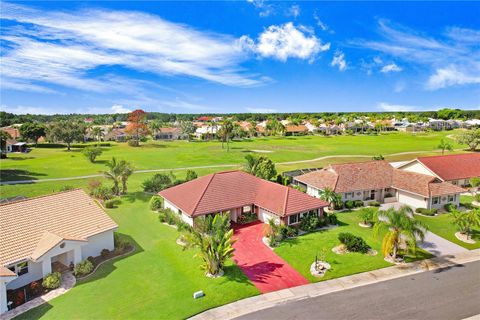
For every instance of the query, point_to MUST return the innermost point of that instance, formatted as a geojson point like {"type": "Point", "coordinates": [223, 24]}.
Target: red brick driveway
{"type": "Point", "coordinates": [263, 267]}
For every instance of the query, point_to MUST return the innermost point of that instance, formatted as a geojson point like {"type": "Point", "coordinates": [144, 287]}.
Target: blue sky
{"type": "Point", "coordinates": [238, 56]}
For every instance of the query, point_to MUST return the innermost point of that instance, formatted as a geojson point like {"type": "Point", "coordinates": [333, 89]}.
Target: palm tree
{"type": "Point", "coordinates": [114, 173]}
{"type": "Point", "coordinates": [466, 220]}
{"type": "Point", "coordinates": [400, 227]}
{"type": "Point", "coordinates": [227, 129]}
{"type": "Point", "coordinates": [126, 171]}
{"type": "Point", "coordinates": [445, 145]}
{"type": "Point", "coordinates": [331, 197]}
{"type": "Point", "coordinates": [154, 126]}
{"type": "Point", "coordinates": [97, 133]}
{"type": "Point", "coordinates": [213, 239]}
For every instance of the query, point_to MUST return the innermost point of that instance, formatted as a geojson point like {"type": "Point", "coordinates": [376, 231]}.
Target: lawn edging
{"type": "Point", "coordinates": [272, 299]}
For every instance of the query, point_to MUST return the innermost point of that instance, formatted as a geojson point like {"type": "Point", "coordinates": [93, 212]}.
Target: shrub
{"type": "Point", "coordinates": [109, 204]}
{"type": "Point", "coordinates": [310, 222]}
{"type": "Point", "coordinates": [84, 267]}
{"type": "Point", "coordinates": [426, 212]}
{"type": "Point", "coordinates": [349, 204]}
{"type": "Point", "coordinates": [353, 243]}
{"type": "Point", "coordinates": [358, 203]}
{"type": "Point", "coordinates": [102, 193]}
{"type": "Point", "coordinates": [158, 182]}
{"type": "Point", "coordinates": [104, 253]}
{"type": "Point", "coordinates": [156, 203]}
{"type": "Point", "coordinates": [338, 205]}
{"type": "Point", "coordinates": [120, 243]}
{"type": "Point", "coordinates": [450, 207]}
{"type": "Point", "coordinates": [191, 175]}
{"type": "Point", "coordinates": [332, 218]}
{"type": "Point", "coordinates": [35, 288]}
{"type": "Point", "coordinates": [288, 231]}
{"type": "Point", "coordinates": [374, 204]}
{"type": "Point", "coordinates": [93, 184]}
{"type": "Point", "coordinates": [172, 218]}
{"type": "Point", "coordinates": [66, 188]}
{"type": "Point", "coordinates": [91, 153]}
{"type": "Point", "coordinates": [133, 143]}
{"type": "Point", "coordinates": [52, 280]}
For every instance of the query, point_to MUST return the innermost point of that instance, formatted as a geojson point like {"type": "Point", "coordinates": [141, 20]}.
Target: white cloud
{"type": "Point", "coordinates": [392, 67]}
{"type": "Point", "coordinates": [265, 9]}
{"type": "Point", "coordinates": [399, 87]}
{"type": "Point", "coordinates": [25, 109]}
{"type": "Point", "coordinates": [322, 25]}
{"type": "Point", "coordinates": [339, 61]}
{"type": "Point", "coordinates": [451, 76]}
{"type": "Point", "coordinates": [294, 11]}
{"type": "Point", "coordinates": [452, 59]}
{"type": "Point", "coordinates": [117, 108]}
{"type": "Point", "coordinates": [261, 110]}
{"type": "Point", "coordinates": [389, 107]}
{"type": "Point", "coordinates": [63, 48]}
{"type": "Point", "coordinates": [285, 41]}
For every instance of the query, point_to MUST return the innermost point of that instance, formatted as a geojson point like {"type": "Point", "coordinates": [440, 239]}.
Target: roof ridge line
{"type": "Point", "coordinates": [286, 200]}
{"type": "Point", "coordinates": [203, 193]}
{"type": "Point", "coordinates": [41, 196]}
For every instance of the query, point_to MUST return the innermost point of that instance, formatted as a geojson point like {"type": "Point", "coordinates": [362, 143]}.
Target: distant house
{"type": "Point", "coordinates": [49, 233]}
{"type": "Point", "coordinates": [454, 168]}
{"type": "Point", "coordinates": [379, 181]}
{"type": "Point", "coordinates": [207, 131]}
{"type": "Point", "coordinates": [88, 120]}
{"type": "Point", "coordinates": [293, 130]}
{"type": "Point", "coordinates": [116, 134]}
{"type": "Point", "coordinates": [170, 133]}
{"type": "Point", "coordinates": [238, 193]}
{"type": "Point", "coordinates": [13, 146]}
{"type": "Point", "coordinates": [13, 132]}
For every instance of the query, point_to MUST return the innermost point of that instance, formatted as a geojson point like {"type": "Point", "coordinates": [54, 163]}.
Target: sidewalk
{"type": "Point", "coordinates": [272, 299]}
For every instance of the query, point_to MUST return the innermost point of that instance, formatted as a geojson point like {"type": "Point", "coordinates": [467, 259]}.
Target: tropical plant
{"type": "Point", "coordinates": [331, 197]}
{"type": "Point", "coordinates": [261, 167]}
{"type": "Point", "coordinates": [114, 173]}
{"type": "Point", "coordinates": [272, 231]}
{"type": "Point", "coordinates": [91, 153]}
{"type": "Point", "coordinates": [445, 145]}
{"type": "Point", "coordinates": [474, 184]}
{"type": "Point", "coordinates": [126, 170]}
{"type": "Point", "coordinates": [466, 220]}
{"type": "Point", "coordinates": [191, 175]}
{"type": "Point", "coordinates": [399, 227]}
{"type": "Point", "coordinates": [52, 280]}
{"type": "Point", "coordinates": [187, 128]}
{"type": "Point", "coordinates": [368, 215]}
{"type": "Point", "coordinates": [97, 133]}
{"type": "Point", "coordinates": [353, 243]}
{"type": "Point", "coordinates": [214, 242]}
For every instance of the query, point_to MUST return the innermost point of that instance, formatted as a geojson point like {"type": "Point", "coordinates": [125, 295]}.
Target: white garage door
{"type": "Point", "coordinates": [411, 200]}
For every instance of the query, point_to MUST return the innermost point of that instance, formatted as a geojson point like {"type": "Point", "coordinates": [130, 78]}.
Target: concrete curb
{"type": "Point", "coordinates": [272, 299]}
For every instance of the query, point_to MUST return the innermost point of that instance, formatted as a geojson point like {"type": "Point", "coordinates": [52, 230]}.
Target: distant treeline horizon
{"type": "Point", "coordinates": [7, 119]}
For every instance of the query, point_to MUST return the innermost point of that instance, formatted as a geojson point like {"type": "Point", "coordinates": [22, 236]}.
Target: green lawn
{"type": "Point", "coordinates": [442, 225]}
{"type": "Point", "coordinates": [43, 163]}
{"type": "Point", "coordinates": [156, 282]}
{"type": "Point", "coordinates": [300, 252]}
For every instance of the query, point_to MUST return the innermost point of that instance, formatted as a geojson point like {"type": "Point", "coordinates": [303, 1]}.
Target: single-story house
{"type": "Point", "coordinates": [291, 129]}
{"type": "Point", "coordinates": [48, 233]}
{"type": "Point", "coordinates": [379, 181]}
{"type": "Point", "coordinates": [170, 133]}
{"type": "Point", "coordinates": [454, 168]}
{"type": "Point", "coordinates": [237, 193]}
{"type": "Point", "coordinates": [116, 134]}
{"type": "Point", "coordinates": [13, 146]}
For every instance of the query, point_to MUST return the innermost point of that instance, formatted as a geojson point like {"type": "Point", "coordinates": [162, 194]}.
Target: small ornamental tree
{"type": "Point", "coordinates": [67, 131]}
{"type": "Point", "coordinates": [445, 145]}
{"type": "Point", "coordinates": [137, 125]}
{"type": "Point", "coordinates": [91, 153]}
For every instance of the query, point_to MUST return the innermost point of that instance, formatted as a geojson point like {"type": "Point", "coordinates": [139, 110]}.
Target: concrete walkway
{"type": "Point", "coordinates": [439, 246]}
{"type": "Point", "coordinates": [267, 271]}
{"type": "Point", "coordinates": [270, 300]}
{"type": "Point", "coordinates": [68, 281]}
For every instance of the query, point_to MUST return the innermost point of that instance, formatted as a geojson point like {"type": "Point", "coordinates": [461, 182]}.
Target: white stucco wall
{"type": "Point", "coordinates": [357, 195]}
{"type": "Point", "coordinates": [34, 273]}
{"type": "Point", "coordinates": [417, 167]}
{"type": "Point", "coordinates": [97, 243]}
{"type": "Point", "coordinates": [168, 205]}
{"type": "Point", "coordinates": [314, 192]}
{"type": "Point", "coordinates": [444, 201]}
{"type": "Point", "coordinates": [412, 200]}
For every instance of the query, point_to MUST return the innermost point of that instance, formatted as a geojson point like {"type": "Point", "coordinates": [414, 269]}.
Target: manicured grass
{"type": "Point", "coordinates": [442, 225]}
{"type": "Point", "coordinates": [43, 163]}
{"type": "Point", "coordinates": [300, 252]}
{"type": "Point", "coordinates": [156, 282]}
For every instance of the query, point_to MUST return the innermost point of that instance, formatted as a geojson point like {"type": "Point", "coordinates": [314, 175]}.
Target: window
{"type": "Point", "coordinates": [348, 195]}
{"type": "Point", "coordinates": [19, 269]}
{"type": "Point", "coordinates": [293, 219]}
{"type": "Point", "coordinates": [435, 200]}
{"type": "Point", "coordinates": [451, 198]}
{"type": "Point", "coordinates": [246, 209]}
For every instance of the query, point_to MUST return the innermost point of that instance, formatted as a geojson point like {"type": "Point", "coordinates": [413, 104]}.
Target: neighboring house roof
{"type": "Point", "coordinates": [204, 118]}
{"type": "Point", "coordinates": [293, 128]}
{"type": "Point", "coordinates": [13, 132]}
{"type": "Point", "coordinates": [232, 189]}
{"type": "Point", "coordinates": [454, 166]}
{"type": "Point", "coordinates": [170, 130]}
{"type": "Point", "coordinates": [5, 272]}
{"type": "Point", "coordinates": [29, 228]}
{"type": "Point", "coordinates": [372, 175]}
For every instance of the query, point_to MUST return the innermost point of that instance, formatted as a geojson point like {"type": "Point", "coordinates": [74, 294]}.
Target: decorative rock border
{"type": "Point", "coordinates": [462, 237]}
{"type": "Point", "coordinates": [321, 273]}
{"type": "Point", "coordinates": [363, 225]}
{"type": "Point", "coordinates": [220, 274]}
{"type": "Point", "coordinates": [112, 258]}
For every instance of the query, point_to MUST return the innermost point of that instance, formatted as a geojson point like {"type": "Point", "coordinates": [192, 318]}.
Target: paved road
{"type": "Point", "coordinates": [214, 166]}
{"type": "Point", "coordinates": [451, 294]}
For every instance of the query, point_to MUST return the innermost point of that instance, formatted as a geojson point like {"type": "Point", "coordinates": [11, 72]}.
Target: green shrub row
{"type": "Point", "coordinates": [311, 221]}
{"type": "Point", "coordinates": [450, 207]}
{"type": "Point", "coordinates": [426, 212]}
{"type": "Point", "coordinates": [172, 218]}
{"type": "Point", "coordinates": [350, 204]}
{"type": "Point", "coordinates": [83, 268]}
{"type": "Point", "coordinates": [74, 145]}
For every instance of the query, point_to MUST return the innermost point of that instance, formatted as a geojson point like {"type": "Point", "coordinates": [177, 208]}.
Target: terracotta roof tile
{"type": "Point", "coordinates": [294, 128]}
{"type": "Point", "coordinates": [454, 166]}
{"type": "Point", "coordinates": [70, 215]}
{"type": "Point", "coordinates": [232, 189]}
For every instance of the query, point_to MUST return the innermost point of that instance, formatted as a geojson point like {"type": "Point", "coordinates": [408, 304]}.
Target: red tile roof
{"type": "Point", "coordinates": [170, 130]}
{"type": "Point", "coordinates": [372, 175]}
{"type": "Point", "coordinates": [294, 128]}
{"type": "Point", "coordinates": [454, 166]}
{"type": "Point", "coordinates": [232, 189]}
